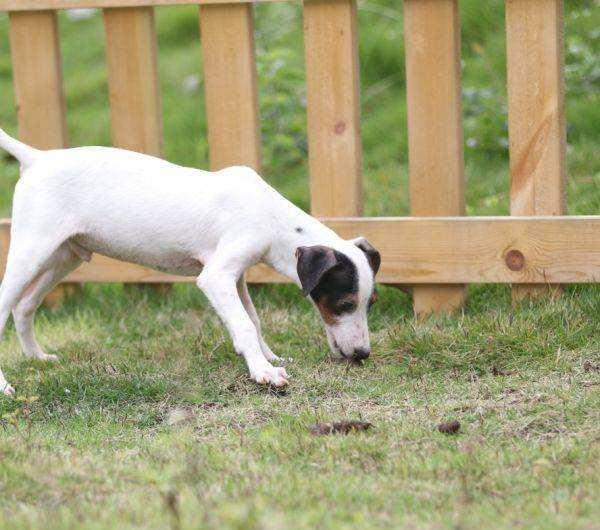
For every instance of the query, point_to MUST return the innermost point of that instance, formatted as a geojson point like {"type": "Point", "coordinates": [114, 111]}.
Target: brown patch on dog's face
{"type": "Point", "coordinates": [337, 292]}
{"type": "Point", "coordinates": [330, 311]}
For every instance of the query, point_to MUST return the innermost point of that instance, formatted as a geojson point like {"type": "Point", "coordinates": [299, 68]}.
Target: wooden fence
{"type": "Point", "coordinates": [438, 250]}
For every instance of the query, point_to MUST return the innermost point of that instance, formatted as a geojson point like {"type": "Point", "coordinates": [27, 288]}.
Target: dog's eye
{"type": "Point", "coordinates": [346, 306]}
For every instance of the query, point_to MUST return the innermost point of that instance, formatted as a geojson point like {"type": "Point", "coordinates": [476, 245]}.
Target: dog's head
{"type": "Point", "coordinates": [341, 283]}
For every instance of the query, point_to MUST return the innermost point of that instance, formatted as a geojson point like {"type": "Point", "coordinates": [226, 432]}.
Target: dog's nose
{"type": "Point", "coordinates": [361, 353]}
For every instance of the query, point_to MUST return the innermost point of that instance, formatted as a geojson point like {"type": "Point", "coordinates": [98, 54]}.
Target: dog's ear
{"type": "Point", "coordinates": [371, 252]}
{"type": "Point", "coordinates": [312, 263]}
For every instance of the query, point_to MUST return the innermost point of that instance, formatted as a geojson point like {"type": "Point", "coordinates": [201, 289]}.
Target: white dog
{"type": "Point", "coordinates": [70, 203]}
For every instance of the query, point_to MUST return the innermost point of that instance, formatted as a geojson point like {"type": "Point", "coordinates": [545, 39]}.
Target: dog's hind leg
{"type": "Point", "coordinates": [242, 288]}
{"type": "Point", "coordinates": [62, 262]}
{"type": "Point", "coordinates": [27, 260]}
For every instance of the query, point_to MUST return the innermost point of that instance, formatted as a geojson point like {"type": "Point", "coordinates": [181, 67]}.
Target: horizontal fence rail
{"type": "Point", "coordinates": [542, 250]}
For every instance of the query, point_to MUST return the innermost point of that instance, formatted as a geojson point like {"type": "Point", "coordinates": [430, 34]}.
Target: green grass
{"type": "Point", "coordinates": [148, 402]}
{"type": "Point", "coordinates": [150, 421]}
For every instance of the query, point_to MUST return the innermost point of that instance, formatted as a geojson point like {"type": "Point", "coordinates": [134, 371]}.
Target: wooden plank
{"type": "Point", "coordinates": [539, 249]}
{"type": "Point", "coordinates": [432, 37]}
{"type": "Point", "coordinates": [134, 91]}
{"type": "Point", "coordinates": [37, 77]}
{"type": "Point", "coordinates": [333, 106]}
{"type": "Point", "coordinates": [133, 85]}
{"type": "Point", "coordinates": [227, 35]}
{"type": "Point", "coordinates": [536, 125]}
{"type": "Point", "coordinates": [33, 5]}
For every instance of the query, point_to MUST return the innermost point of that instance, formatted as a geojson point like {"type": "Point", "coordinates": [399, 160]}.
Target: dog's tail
{"type": "Point", "coordinates": [22, 152]}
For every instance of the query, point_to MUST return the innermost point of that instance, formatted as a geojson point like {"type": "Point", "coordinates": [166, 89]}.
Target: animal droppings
{"type": "Point", "coordinates": [343, 427]}
{"type": "Point", "coordinates": [449, 427]}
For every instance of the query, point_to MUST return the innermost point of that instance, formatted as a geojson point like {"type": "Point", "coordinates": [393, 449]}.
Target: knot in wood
{"type": "Point", "coordinates": [515, 260]}
{"type": "Point", "coordinates": [340, 127]}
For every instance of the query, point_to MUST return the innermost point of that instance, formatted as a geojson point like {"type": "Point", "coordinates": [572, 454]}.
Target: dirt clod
{"type": "Point", "coordinates": [499, 372]}
{"type": "Point", "coordinates": [277, 391]}
{"type": "Point", "coordinates": [589, 366]}
{"type": "Point", "coordinates": [449, 427]}
{"type": "Point", "coordinates": [343, 427]}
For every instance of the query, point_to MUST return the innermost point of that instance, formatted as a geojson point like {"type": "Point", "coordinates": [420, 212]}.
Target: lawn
{"type": "Point", "coordinates": [149, 420]}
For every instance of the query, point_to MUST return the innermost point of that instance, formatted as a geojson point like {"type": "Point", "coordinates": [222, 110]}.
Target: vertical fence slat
{"type": "Point", "coordinates": [134, 91]}
{"type": "Point", "coordinates": [536, 112]}
{"type": "Point", "coordinates": [332, 83]}
{"type": "Point", "coordinates": [37, 77]}
{"type": "Point", "coordinates": [227, 38]}
{"type": "Point", "coordinates": [133, 85]}
{"type": "Point", "coordinates": [432, 37]}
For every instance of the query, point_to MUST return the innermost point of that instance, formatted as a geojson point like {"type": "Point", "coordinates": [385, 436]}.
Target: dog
{"type": "Point", "coordinates": [70, 203]}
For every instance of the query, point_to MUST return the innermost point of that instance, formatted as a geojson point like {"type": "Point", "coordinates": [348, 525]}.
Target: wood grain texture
{"type": "Point", "coordinates": [227, 36]}
{"type": "Point", "coordinates": [537, 130]}
{"type": "Point", "coordinates": [333, 107]}
{"type": "Point", "coordinates": [37, 78]}
{"type": "Point", "coordinates": [551, 249]}
{"type": "Point", "coordinates": [134, 92]}
{"type": "Point", "coordinates": [436, 166]}
{"type": "Point", "coordinates": [33, 5]}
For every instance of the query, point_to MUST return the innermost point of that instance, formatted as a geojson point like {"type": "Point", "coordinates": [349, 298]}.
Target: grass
{"type": "Point", "coordinates": [150, 421]}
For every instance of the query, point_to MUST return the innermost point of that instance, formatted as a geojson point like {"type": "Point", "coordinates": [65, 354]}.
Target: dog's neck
{"type": "Point", "coordinates": [298, 229]}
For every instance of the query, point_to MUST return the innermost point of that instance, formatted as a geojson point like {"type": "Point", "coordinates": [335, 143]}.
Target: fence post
{"type": "Point", "coordinates": [537, 131]}
{"type": "Point", "coordinates": [227, 38]}
{"type": "Point", "coordinates": [37, 77]}
{"type": "Point", "coordinates": [133, 86]}
{"type": "Point", "coordinates": [333, 100]}
{"type": "Point", "coordinates": [432, 37]}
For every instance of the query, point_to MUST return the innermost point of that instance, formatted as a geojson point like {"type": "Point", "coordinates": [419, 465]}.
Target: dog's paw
{"type": "Point", "coordinates": [8, 390]}
{"type": "Point", "coordinates": [39, 355]}
{"type": "Point", "coordinates": [270, 375]}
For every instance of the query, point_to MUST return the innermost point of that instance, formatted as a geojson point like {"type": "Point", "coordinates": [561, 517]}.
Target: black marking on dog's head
{"type": "Point", "coordinates": [312, 263]}
{"type": "Point", "coordinates": [330, 278]}
{"type": "Point", "coordinates": [299, 229]}
{"type": "Point", "coordinates": [371, 252]}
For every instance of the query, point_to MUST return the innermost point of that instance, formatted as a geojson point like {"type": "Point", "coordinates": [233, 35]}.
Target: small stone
{"type": "Point", "coordinates": [449, 427]}
{"type": "Point", "coordinates": [191, 83]}
{"type": "Point", "coordinates": [178, 416]}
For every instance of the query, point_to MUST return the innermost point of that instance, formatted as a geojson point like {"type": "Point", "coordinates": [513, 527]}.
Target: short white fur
{"type": "Point", "coordinates": [70, 203]}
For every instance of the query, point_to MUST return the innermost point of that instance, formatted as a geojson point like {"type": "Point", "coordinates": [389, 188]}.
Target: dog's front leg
{"type": "Point", "coordinates": [218, 282]}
